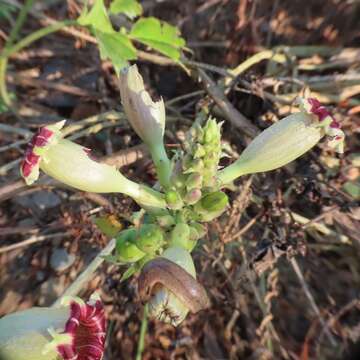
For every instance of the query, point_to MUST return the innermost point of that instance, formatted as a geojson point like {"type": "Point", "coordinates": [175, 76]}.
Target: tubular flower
{"type": "Point", "coordinates": [73, 331]}
{"type": "Point", "coordinates": [147, 118]}
{"type": "Point", "coordinates": [73, 165]}
{"type": "Point", "coordinates": [286, 140]}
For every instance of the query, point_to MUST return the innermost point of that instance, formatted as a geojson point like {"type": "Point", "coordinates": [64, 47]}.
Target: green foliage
{"type": "Point", "coordinates": [160, 36]}
{"type": "Point", "coordinates": [117, 46]}
{"type": "Point", "coordinates": [108, 225]}
{"type": "Point", "coordinates": [131, 8]}
{"type": "Point", "coordinates": [97, 18]}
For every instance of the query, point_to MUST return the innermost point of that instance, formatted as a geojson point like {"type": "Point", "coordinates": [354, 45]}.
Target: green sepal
{"type": "Point", "coordinates": [174, 200]}
{"type": "Point", "coordinates": [126, 250]}
{"type": "Point", "coordinates": [149, 238]}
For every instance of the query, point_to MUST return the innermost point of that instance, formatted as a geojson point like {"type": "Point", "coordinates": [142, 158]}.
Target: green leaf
{"type": "Point", "coordinates": [131, 8]}
{"type": "Point", "coordinates": [117, 47]}
{"type": "Point", "coordinates": [162, 37]}
{"type": "Point", "coordinates": [97, 17]}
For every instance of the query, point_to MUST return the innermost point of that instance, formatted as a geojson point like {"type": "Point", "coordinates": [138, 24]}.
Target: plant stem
{"type": "Point", "coordinates": [87, 274]}
{"type": "Point", "coordinates": [143, 330]}
{"type": "Point", "coordinates": [12, 49]}
{"type": "Point", "coordinates": [12, 37]}
{"type": "Point", "coordinates": [162, 164]}
{"type": "Point", "coordinates": [19, 22]}
{"type": "Point", "coordinates": [26, 41]}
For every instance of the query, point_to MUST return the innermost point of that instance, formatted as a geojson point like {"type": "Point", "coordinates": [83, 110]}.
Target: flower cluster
{"type": "Point", "coordinates": [172, 220]}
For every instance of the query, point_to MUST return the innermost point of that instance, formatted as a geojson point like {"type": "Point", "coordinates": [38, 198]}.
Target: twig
{"type": "Point", "coordinates": [312, 302]}
{"type": "Point", "coordinates": [233, 115]}
{"type": "Point", "coordinates": [84, 277]}
{"type": "Point", "coordinates": [32, 240]}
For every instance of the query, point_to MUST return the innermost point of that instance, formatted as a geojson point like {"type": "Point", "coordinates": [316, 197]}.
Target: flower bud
{"type": "Point", "coordinates": [147, 118]}
{"type": "Point", "coordinates": [73, 331]}
{"type": "Point", "coordinates": [211, 205]}
{"type": "Point", "coordinates": [173, 199]}
{"type": "Point", "coordinates": [192, 196]}
{"type": "Point", "coordinates": [180, 237]}
{"type": "Point", "coordinates": [165, 221]}
{"type": "Point", "coordinates": [197, 231]}
{"type": "Point", "coordinates": [194, 180]}
{"type": "Point", "coordinates": [149, 238]}
{"type": "Point", "coordinates": [286, 140]}
{"type": "Point", "coordinates": [126, 249]}
{"type": "Point", "coordinates": [73, 165]}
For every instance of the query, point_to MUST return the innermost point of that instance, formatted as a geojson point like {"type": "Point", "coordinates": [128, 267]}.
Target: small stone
{"type": "Point", "coordinates": [46, 200]}
{"type": "Point", "coordinates": [61, 260]}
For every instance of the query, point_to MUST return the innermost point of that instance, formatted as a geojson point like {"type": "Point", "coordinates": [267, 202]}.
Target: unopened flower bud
{"type": "Point", "coordinates": [126, 249]}
{"type": "Point", "coordinates": [194, 180]}
{"type": "Point", "coordinates": [149, 238]}
{"type": "Point", "coordinates": [165, 220]}
{"type": "Point", "coordinates": [212, 205]}
{"type": "Point", "coordinates": [75, 330]}
{"type": "Point", "coordinates": [173, 199]}
{"type": "Point", "coordinates": [286, 140]}
{"type": "Point", "coordinates": [192, 196]}
{"type": "Point", "coordinates": [73, 165]}
{"type": "Point", "coordinates": [180, 236]}
{"type": "Point", "coordinates": [147, 118]}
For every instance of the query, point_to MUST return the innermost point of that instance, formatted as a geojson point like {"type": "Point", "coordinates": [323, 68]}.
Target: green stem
{"type": "Point", "coordinates": [143, 330]}
{"type": "Point", "coordinates": [230, 173]}
{"type": "Point", "coordinates": [12, 37]}
{"type": "Point", "coordinates": [26, 41]}
{"type": "Point", "coordinates": [36, 35]}
{"type": "Point", "coordinates": [19, 22]}
{"type": "Point", "coordinates": [162, 164]}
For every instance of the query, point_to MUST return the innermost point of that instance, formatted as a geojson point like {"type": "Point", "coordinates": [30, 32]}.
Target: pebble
{"type": "Point", "coordinates": [61, 260]}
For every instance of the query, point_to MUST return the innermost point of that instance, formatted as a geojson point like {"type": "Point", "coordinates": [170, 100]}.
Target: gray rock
{"type": "Point", "coordinates": [61, 260]}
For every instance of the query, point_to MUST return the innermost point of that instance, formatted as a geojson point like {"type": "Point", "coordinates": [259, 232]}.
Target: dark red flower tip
{"type": "Point", "coordinates": [87, 327]}
{"type": "Point", "coordinates": [40, 139]}
{"type": "Point", "coordinates": [319, 110]}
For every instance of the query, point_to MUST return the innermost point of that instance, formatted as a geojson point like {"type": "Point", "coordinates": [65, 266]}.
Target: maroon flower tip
{"type": "Point", "coordinates": [318, 109]}
{"type": "Point", "coordinates": [40, 139]}
{"type": "Point", "coordinates": [29, 162]}
{"type": "Point", "coordinates": [86, 326]}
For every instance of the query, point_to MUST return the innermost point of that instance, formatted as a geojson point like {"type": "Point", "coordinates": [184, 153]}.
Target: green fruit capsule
{"type": "Point", "coordinates": [180, 236]}
{"type": "Point", "coordinates": [211, 205]}
{"type": "Point", "coordinates": [149, 238]}
{"type": "Point", "coordinates": [197, 231]}
{"type": "Point", "coordinates": [214, 201]}
{"type": "Point", "coordinates": [126, 250]}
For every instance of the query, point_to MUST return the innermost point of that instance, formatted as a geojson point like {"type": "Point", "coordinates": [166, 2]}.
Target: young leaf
{"type": "Point", "coordinates": [116, 47]}
{"type": "Point", "coordinates": [97, 17]}
{"type": "Point", "coordinates": [131, 8]}
{"type": "Point", "coordinates": [162, 37]}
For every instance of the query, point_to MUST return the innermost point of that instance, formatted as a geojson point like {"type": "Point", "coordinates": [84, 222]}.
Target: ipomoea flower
{"type": "Point", "coordinates": [73, 165]}
{"type": "Point", "coordinates": [75, 330]}
{"type": "Point", "coordinates": [286, 140]}
{"type": "Point", "coordinates": [147, 118]}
